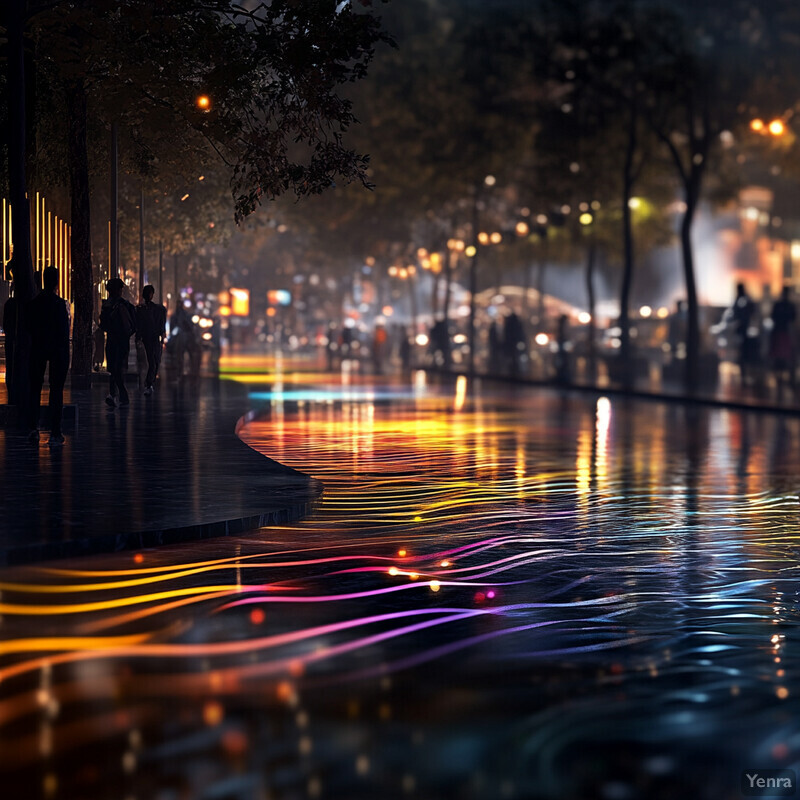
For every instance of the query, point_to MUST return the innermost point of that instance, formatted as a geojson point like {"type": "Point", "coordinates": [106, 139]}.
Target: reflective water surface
{"type": "Point", "coordinates": [503, 593]}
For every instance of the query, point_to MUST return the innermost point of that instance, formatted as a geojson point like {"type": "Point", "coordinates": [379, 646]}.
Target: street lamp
{"type": "Point", "coordinates": [777, 127]}
{"type": "Point", "coordinates": [203, 102]}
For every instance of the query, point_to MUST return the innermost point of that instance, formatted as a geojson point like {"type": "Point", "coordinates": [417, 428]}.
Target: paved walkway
{"type": "Point", "coordinates": [166, 469]}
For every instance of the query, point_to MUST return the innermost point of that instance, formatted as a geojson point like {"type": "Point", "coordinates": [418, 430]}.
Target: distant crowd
{"type": "Point", "coordinates": [46, 322]}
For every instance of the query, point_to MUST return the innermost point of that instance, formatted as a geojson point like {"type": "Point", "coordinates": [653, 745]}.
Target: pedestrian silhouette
{"type": "Point", "coordinates": [185, 341]}
{"type": "Point", "coordinates": [563, 372]}
{"type": "Point", "coordinates": [48, 324]}
{"type": "Point", "coordinates": [346, 343]}
{"type": "Point", "coordinates": [118, 320]}
{"type": "Point", "coordinates": [379, 343]}
{"type": "Point", "coordinates": [514, 342]}
{"type": "Point", "coordinates": [495, 345]}
{"type": "Point", "coordinates": [406, 349]}
{"type": "Point", "coordinates": [439, 343]}
{"type": "Point", "coordinates": [743, 309]}
{"type": "Point", "coordinates": [781, 344]}
{"type": "Point", "coordinates": [331, 346]}
{"type": "Point", "coordinates": [151, 329]}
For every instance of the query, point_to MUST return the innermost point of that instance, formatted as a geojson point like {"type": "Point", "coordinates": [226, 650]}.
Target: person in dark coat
{"type": "Point", "coordinates": [151, 330]}
{"type": "Point", "coordinates": [406, 349]}
{"type": "Point", "coordinates": [48, 324]}
{"type": "Point", "coordinates": [743, 312]}
{"type": "Point", "coordinates": [495, 346]}
{"type": "Point", "coordinates": [118, 320]}
{"type": "Point", "coordinates": [514, 342]}
{"type": "Point", "coordinates": [781, 346]}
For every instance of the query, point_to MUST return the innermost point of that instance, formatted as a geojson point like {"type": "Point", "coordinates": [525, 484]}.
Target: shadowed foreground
{"type": "Point", "coordinates": [166, 469]}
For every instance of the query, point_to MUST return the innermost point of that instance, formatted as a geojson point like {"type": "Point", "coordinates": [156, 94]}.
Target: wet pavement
{"type": "Point", "coordinates": [166, 469]}
{"type": "Point", "coordinates": [504, 593]}
{"type": "Point", "coordinates": [720, 385]}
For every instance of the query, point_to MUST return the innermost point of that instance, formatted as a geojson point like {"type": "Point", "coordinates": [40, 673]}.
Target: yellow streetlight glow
{"type": "Point", "coordinates": [203, 102]}
{"type": "Point", "coordinates": [422, 253]}
{"type": "Point", "coordinates": [586, 218]}
{"type": "Point", "coordinates": [483, 237]}
{"type": "Point", "coordinates": [645, 311]}
{"type": "Point", "coordinates": [496, 238]}
{"type": "Point", "coordinates": [470, 251]}
{"type": "Point", "coordinates": [635, 202]}
{"type": "Point", "coordinates": [393, 271]}
{"type": "Point", "coordinates": [757, 125]}
{"type": "Point", "coordinates": [240, 302]}
{"type": "Point", "coordinates": [777, 128]}
{"type": "Point", "coordinates": [522, 228]}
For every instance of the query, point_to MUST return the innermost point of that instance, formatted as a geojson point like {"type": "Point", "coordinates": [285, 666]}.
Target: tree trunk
{"type": "Point", "coordinates": [540, 273]}
{"type": "Point", "coordinates": [435, 295]}
{"type": "Point", "coordinates": [412, 290]}
{"type": "Point", "coordinates": [692, 327]}
{"type": "Point", "coordinates": [627, 228]}
{"type": "Point", "coordinates": [113, 259]}
{"type": "Point", "coordinates": [21, 264]}
{"type": "Point", "coordinates": [161, 296]}
{"type": "Point", "coordinates": [448, 280]}
{"type": "Point", "coordinates": [591, 260]}
{"type": "Point", "coordinates": [81, 246]}
{"type": "Point", "coordinates": [141, 242]}
{"type": "Point", "coordinates": [473, 282]}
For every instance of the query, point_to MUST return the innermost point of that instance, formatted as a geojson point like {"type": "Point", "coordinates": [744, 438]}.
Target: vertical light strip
{"type": "Point", "coordinates": [44, 233]}
{"type": "Point", "coordinates": [37, 232]}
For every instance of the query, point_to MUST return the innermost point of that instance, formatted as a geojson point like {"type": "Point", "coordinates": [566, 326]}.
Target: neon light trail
{"type": "Point", "coordinates": [490, 587]}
